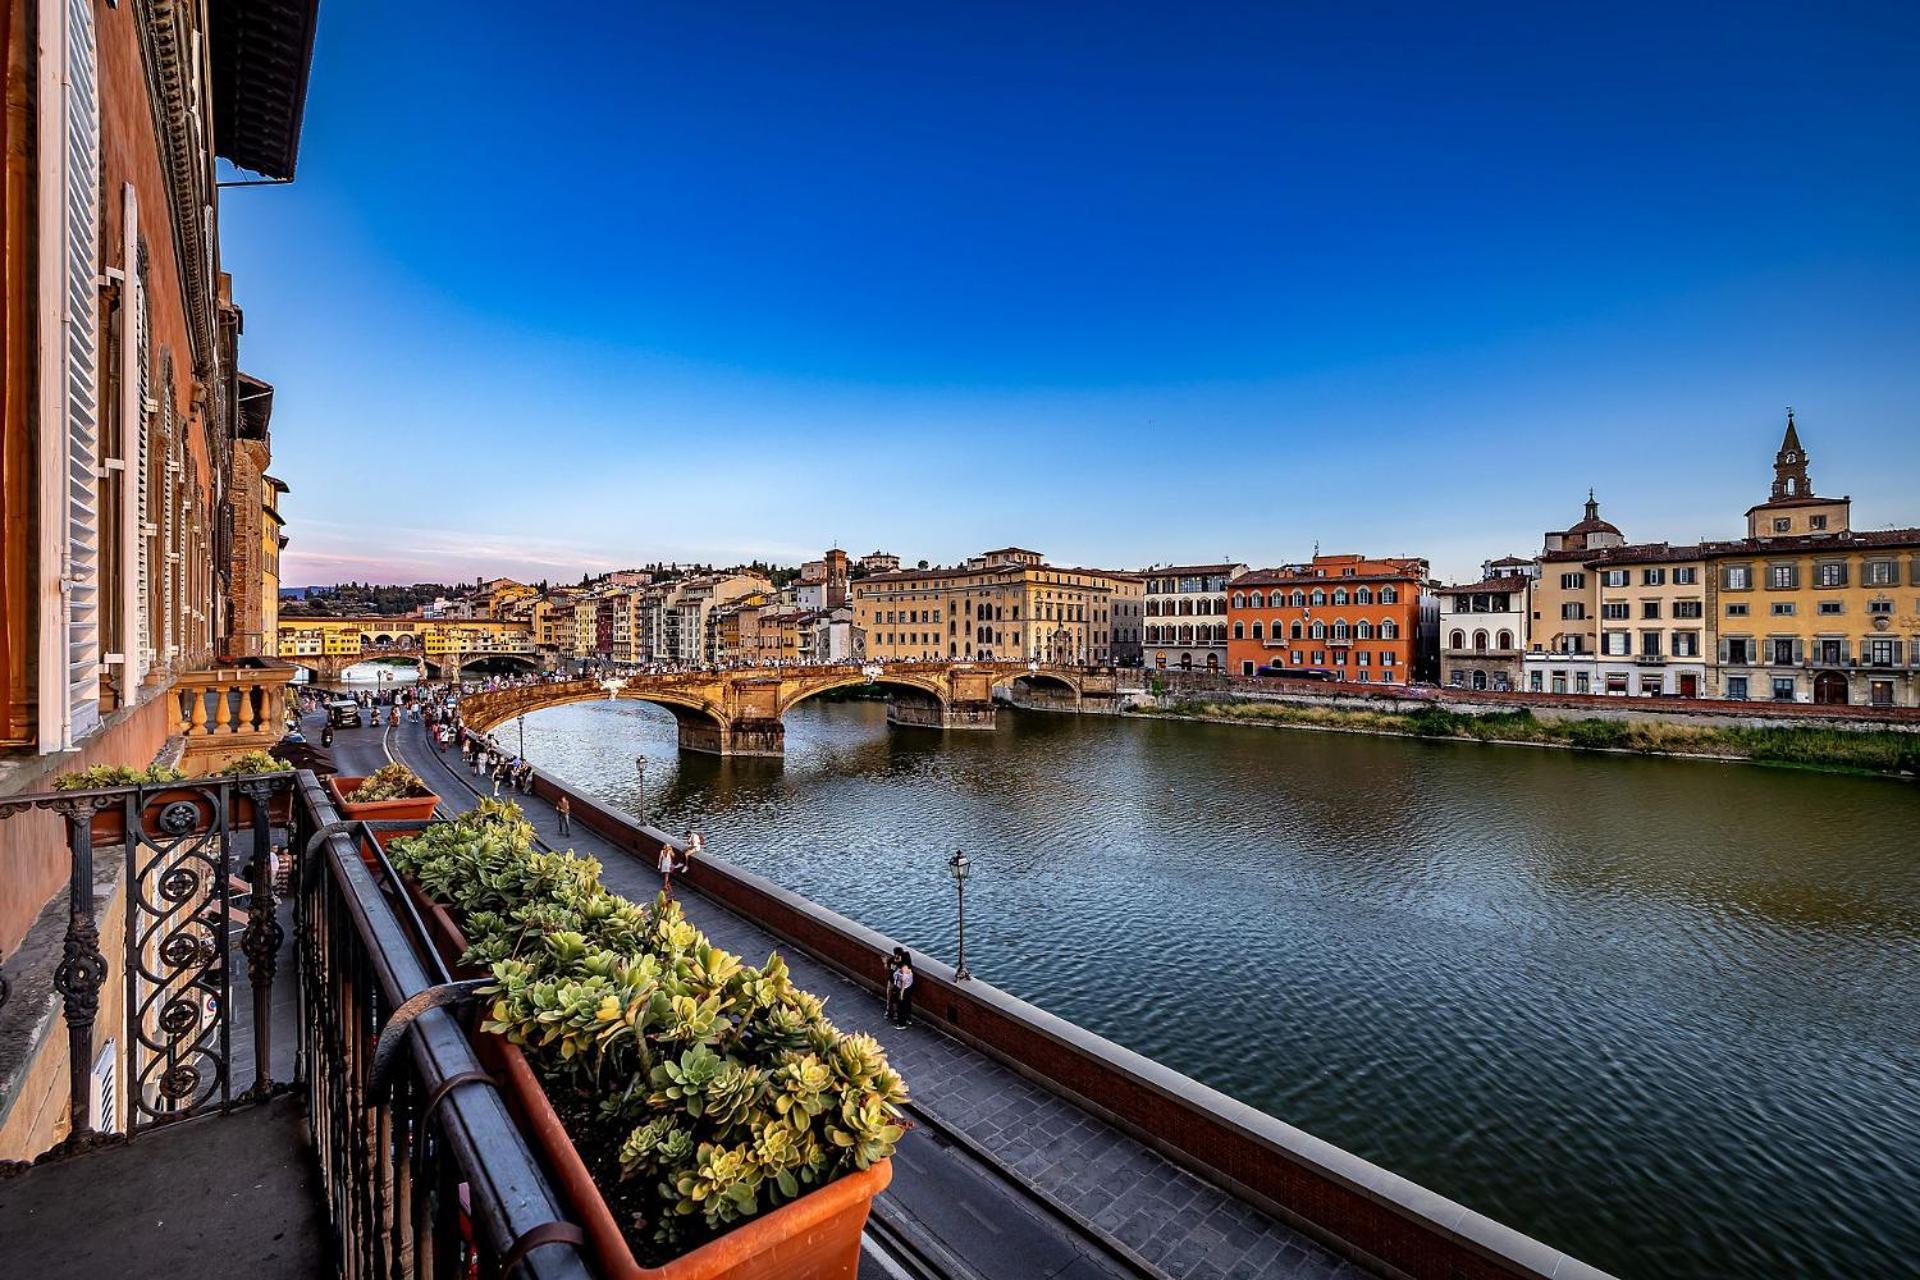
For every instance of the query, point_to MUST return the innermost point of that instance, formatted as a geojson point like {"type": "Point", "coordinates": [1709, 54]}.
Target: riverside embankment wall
{"type": "Point", "coordinates": [1384, 1221]}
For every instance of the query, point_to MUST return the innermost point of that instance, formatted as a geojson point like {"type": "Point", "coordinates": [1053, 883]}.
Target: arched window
{"type": "Point", "coordinates": [1479, 642]}
{"type": "Point", "coordinates": [1363, 595]}
{"type": "Point", "coordinates": [1239, 631]}
{"type": "Point", "coordinates": [1389, 596]}
{"type": "Point", "coordinates": [1456, 639]}
{"type": "Point", "coordinates": [1479, 679]}
{"type": "Point", "coordinates": [1319, 630]}
{"type": "Point", "coordinates": [1297, 630]}
{"type": "Point", "coordinates": [1340, 631]}
{"type": "Point", "coordinates": [1253, 601]}
{"type": "Point", "coordinates": [1389, 629]}
{"type": "Point", "coordinates": [1256, 630]}
{"type": "Point", "coordinates": [1318, 597]}
{"type": "Point", "coordinates": [1239, 599]}
{"type": "Point", "coordinates": [1363, 630]}
{"type": "Point", "coordinates": [1506, 640]}
{"type": "Point", "coordinates": [1299, 598]}
{"type": "Point", "coordinates": [1339, 595]}
{"type": "Point", "coordinates": [1279, 628]}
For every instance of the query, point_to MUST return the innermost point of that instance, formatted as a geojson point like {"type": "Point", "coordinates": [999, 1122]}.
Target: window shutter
{"type": "Point", "coordinates": [1723, 653]}
{"type": "Point", "coordinates": [1799, 651]}
{"type": "Point", "coordinates": [69, 136]}
{"type": "Point", "coordinates": [1896, 653]}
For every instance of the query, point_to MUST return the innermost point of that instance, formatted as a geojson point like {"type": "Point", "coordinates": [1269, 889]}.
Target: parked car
{"type": "Point", "coordinates": [343, 713]}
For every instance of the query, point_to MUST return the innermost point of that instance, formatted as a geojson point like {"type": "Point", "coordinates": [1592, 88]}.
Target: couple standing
{"type": "Point", "coordinates": [667, 865]}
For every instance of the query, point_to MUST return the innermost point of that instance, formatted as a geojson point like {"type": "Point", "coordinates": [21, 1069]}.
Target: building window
{"type": "Point", "coordinates": [1616, 682]}
{"type": "Point", "coordinates": [1739, 577]}
{"type": "Point", "coordinates": [1246, 667]}
{"type": "Point", "coordinates": [1737, 688]}
{"type": "Point", "coordinates": [1653, 577]}
{"type": "Point", "coordinates": [1572, 581]}
{"type": "Point", "coordinates": [1239, 631]}
{"type": "Point", "coordinates": [1363, 596]}
{"type": "Point", "coordinates": [1879, 573]}
{"type": "Point", "coordinates": [1783, 608]}
{"type": "Point", "coordinates": [1736, 611]}
{"type": "Point", "coordinates": [1783, 688]}
{"type": "Point", "coordinates": [1782, 577]}
{"type": "Point", "coordinates": [1616, 644]}
{"type": "Point", "coordinates": [1829, 608]}
{"type": "Point", "coordinates": [1456, 640]}
{"type": "Point", "coordinates": [1649, 608]}
{"type": "Point", "coordinates": [1883, 653]}
{"type": "Point", "coordinates": [1533, 682]}
{"type": "Point", "coordinates": [1256, 631]}
{"type": "Point", "coordinates": [1686, 609]}
{"type": "Point", "coordinates": [1880, 608]}
{"type": "Point", "coordinates": [1739, 650]}
{"type": "Point", "coordinates": [1614, 577]}
{"type": "Point", "coordinates": [1389, 596]}
{"type": "Point", "coordinates": [1831, 573]}
{"type": "Point", "coordinates": [1686, 575]}
{"type": "Point", "coordinates": [1573, 611]}
{"type": "Point", "coordinates": [1686, 644]}
{"type": "Point", "coordinates": [1615, 610]}
{"type": "Point", "coordinates": [1783, 653]}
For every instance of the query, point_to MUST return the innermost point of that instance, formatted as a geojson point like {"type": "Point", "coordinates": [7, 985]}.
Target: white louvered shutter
{"type": "Point", "coordinates": [143, 435]}
{"type": "Point", "coordinates": [70, 649]}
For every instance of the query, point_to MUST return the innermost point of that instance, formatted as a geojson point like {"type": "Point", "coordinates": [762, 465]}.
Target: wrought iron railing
{"type": "Point", "coordinates": [423, 1168]}
{"type": "Point", "coordinates": [425, 1172]}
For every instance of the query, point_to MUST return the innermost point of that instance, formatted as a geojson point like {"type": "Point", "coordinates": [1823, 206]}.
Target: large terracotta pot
{"type": "Point", "coordinates": [816, 1237]}
{"type": "Point", "coordinates": [110, 824]}
{"type": "Point", "coordinates": [415, 809]}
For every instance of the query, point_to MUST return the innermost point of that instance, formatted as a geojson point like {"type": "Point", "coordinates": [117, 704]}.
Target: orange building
{"type": "Point", "coordinates": [1348, 616]}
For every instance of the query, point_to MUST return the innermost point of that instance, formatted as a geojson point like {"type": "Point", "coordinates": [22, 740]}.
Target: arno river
{"type": "Point", "coordinates": [1664, 1015]}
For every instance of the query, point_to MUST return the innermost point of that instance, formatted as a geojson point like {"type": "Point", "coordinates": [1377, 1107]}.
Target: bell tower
{"type": "Point", "coordinates": [1792, 510]}
{"type": "Point", "coordinates": [1790, 467]}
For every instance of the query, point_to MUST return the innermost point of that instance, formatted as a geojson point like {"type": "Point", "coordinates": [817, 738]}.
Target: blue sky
{"type": "Point", "coordinates": [1128, 284]}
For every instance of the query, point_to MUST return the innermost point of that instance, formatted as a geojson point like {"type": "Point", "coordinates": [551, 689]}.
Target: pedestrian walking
{"type": "Point", "coordinates": [900, 988]}
{"type": "Point", "coordinates": [563, 810]}
{"type": "Point", "coordinates": [499, 771]}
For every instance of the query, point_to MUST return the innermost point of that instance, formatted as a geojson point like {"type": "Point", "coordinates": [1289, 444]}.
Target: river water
{"type": "Point", "coordinates": [1662, 1014]}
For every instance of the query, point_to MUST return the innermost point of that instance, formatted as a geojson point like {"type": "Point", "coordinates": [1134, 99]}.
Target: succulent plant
{"type": "Point", "coordinates": [718, 1087]}
{"type": "Point", "coordinates": [389, 782]}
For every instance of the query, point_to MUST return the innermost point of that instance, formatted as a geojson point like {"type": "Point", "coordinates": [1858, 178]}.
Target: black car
{"type": "Point", "coordinates": [343, 713]}
{"type": "Point", "coordinates": [1297, 673]}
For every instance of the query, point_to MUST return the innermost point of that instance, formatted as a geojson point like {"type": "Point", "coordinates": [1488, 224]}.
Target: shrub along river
{"type": "Point", "coordinates": [1662, 1014]}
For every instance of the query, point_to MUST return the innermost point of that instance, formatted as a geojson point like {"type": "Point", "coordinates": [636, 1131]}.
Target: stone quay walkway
{"type": "Point", "coordinates": [1097, 1201]}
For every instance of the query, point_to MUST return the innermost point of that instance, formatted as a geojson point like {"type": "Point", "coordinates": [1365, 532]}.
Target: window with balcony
{"type": "Point", "coordinates": [1883, 652]}
{"type": "Point", "coordinates": [1783, 655]}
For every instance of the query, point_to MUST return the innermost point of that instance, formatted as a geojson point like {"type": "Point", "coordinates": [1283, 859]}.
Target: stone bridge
{"type": "Point", "coordinates": [739, 712]}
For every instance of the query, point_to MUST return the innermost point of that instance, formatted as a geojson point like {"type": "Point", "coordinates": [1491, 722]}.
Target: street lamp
{"type": "Point", "coordinates": [640, 767]}
{"type": "Point", "coordinates": [960, 867]}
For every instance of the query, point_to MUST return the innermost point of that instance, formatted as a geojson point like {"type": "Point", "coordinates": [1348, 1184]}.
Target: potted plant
{"type": "Point", "coordinates": [394, 793]}
{"type": "Point", "coordinates": [703, 1116]}
{"type": "Point", "coordinates": [279, 804]}
{"type": "Point", "coordinates": [109, 824]}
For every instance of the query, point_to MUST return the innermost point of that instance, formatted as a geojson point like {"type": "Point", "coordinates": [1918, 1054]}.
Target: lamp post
{"type": "Point", "coordinates": [640, 767]}
{"type": "Point", "coordinates": [960, 867]}
{"type": "Point", "coordinates": [521, 721]}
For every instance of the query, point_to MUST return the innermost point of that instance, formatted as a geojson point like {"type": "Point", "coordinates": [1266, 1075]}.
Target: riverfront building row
{"type": "Point", "coordinates": [1804, 608]}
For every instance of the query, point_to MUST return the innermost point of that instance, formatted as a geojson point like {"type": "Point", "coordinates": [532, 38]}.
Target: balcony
{"type": "Point", "coordinates": [249, 1072]}
{"type": "Point", "coordinates": [228, 711]}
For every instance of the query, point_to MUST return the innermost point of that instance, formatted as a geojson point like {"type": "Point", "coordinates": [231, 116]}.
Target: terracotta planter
{"type": "Point", "coordinates": [279, 809]}
{"type": "Point", "coordinates": [415, 809]}
{"type": "Point", "coordinates": [816, 1237]}
{"type": "Point", "coordinates": [110, 824]}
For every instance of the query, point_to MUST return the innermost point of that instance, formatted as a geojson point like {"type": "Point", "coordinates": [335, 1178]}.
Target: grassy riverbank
{"type": "Point", "coordinates": [1869, 751]}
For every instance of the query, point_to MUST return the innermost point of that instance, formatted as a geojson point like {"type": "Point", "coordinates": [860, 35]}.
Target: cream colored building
{"type": "Point", "coordinates": [1007, 604]}
{"type": "Point", "coordinates": [1651, 601]}
{"type": "Point", "coordinates": [1563, 627]}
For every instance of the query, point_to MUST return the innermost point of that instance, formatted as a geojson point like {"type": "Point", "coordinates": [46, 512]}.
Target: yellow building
{"type": "Point", "coordinates": [1806, 609]}
{"type": "Point", "coordinates": [1007, 604]}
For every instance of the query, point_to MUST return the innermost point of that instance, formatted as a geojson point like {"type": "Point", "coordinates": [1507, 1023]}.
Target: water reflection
{"type": "Point", "coordinates": [1663, 1014]}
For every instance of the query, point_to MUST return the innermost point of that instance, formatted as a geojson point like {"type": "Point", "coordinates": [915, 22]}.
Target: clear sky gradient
{"type": "Point", "coordinates": [1127, 284]}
